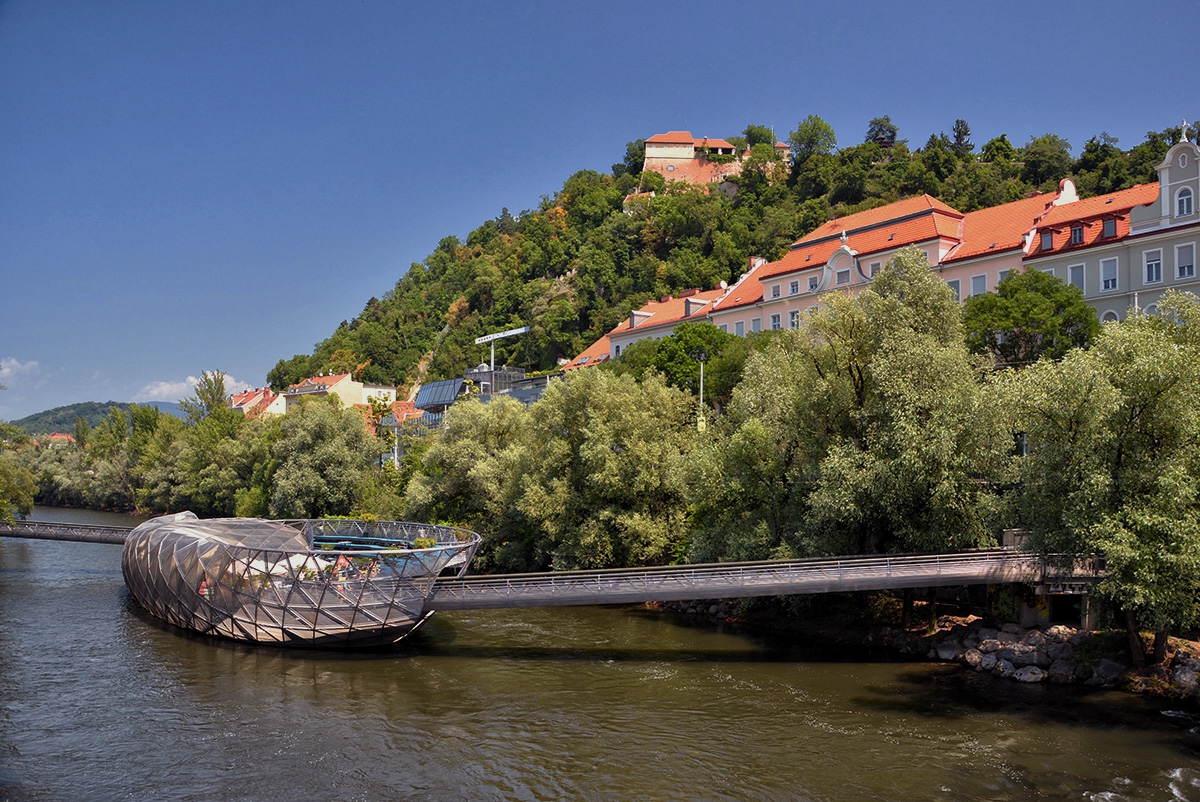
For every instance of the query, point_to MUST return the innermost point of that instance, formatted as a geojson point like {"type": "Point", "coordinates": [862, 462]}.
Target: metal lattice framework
{"type": "Point", "coordinates": [323, 583]}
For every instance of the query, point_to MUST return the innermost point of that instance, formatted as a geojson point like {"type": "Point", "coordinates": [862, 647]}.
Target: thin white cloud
{"type": "Point", "coordinates": [14, 372]}
{"type": "Point", "coordinates": [174, 391]}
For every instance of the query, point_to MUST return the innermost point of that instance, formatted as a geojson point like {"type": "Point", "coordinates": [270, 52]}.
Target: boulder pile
{"type": "Point", "coordinates": [1035, 655]}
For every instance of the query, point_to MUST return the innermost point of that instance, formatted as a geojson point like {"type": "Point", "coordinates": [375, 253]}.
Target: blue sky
{"type": "Point", "coordinates": [215, 186]}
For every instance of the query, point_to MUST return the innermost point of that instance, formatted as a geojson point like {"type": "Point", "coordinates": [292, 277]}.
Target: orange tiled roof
{"type": "Point", "coordinates": [999, 228]}
{"type": "Point", "coordinates": [594, 354]}
{"type": "Point", "coordinates": [672, 138]}
{"type": "Point", "coordinates": [708, 142]}
{"type": "Point", "coordinates": [907, 222]}
{"type": "Point", "coordinates": [880, 214]}
{"type": "Point", "coordinates": [1090, 214]}
{"type": "Point", "coordinates": [672, 310]}
{"type": "Point", "coordinates": [321, 381]}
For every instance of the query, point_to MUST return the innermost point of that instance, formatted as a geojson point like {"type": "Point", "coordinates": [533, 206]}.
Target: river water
{"type": "Point", "coordinates": [98, 701]}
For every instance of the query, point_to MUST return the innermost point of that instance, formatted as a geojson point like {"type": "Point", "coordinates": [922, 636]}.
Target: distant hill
{"type": "Point", "coordinates": [62, 419]}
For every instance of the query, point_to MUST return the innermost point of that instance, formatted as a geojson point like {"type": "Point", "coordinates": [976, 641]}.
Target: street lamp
{"type": "Point", "coordinates": [701, 357]}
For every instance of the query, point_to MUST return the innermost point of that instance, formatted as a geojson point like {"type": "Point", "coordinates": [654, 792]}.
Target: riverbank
{"type": "Point", "coordinates": [1056, 654]}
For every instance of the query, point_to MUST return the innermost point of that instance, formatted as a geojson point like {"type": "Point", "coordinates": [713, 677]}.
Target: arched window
{"type": "Point", "coordinates": [1183, 202]}
{"type": "Point", "coordinates": [1152, 309]}
{"type": "Point", "coordinates": [1109, 317]}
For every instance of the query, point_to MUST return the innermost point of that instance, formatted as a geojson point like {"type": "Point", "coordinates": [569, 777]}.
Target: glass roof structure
{"type": "Point", "coordinates": [311, 583]}
{"type": "Point", "coordinates": [436, 396]}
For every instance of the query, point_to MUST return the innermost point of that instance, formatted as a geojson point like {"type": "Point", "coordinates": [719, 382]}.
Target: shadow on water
{"type": "Point", "coordinates": [952, 693]}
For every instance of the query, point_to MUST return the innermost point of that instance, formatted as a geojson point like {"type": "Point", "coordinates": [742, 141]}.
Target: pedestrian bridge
{"type": "Point", "coordinates": [711, 581]}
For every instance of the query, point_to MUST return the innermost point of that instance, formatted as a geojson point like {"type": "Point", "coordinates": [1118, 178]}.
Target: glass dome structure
{"type": "Point", "coordinates": [311, 583]}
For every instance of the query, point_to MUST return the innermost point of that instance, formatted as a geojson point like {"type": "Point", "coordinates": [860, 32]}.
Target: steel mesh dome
{"type": "Point", "coordinates": [323, 583]}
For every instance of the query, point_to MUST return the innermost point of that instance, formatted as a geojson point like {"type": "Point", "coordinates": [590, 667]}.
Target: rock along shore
{"type": "Point", "coordinates": [1058, 654]}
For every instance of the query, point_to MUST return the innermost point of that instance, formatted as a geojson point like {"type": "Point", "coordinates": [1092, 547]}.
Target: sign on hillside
{"type": "Point", "coordinates": [500, 335]}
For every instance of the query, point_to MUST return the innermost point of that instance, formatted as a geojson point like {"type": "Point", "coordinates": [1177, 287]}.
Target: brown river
{"type": "Point", "coordinates": [100, 702]}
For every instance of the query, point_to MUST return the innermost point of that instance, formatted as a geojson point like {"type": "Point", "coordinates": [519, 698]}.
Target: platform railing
{"type": "Point", "coordinates": [732, 580]}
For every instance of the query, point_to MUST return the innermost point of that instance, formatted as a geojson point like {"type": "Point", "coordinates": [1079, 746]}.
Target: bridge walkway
{"type": "Point", "coordinates": [734, 580]}
{"type": "Point", "coordinates": [685, 582]}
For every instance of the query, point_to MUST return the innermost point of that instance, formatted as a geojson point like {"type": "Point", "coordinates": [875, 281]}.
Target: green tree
{"type": "Point", "coordinates": [1030, 315]}
{"type": "Point", "coordinates": [963, 146]}
{"type": "Point", "coordinates": [677, 356]}
{"type": "Point", "coordinates": [635, 159]}
{"type": "Point", "coordinates": [607, 487]}
{"type": "Point", "coordinates": [812, 137]}
{"type": "Point", "coordinates": [1047, 160]}
{"type": "Point", "coordinates": [323, 452]}
{"type": "Point", "coordinates": [999, 150]}
{"type": "Point", "coordinates": [17, 489]}
{"type": "Point", "coordinates": [859, 432]}
{"type": "Point", "coordinates": [290, 371]}
{"type": "Point", "coordinates": [759, 135]}
{"type": "Point", "coordinates": [209, 396]}
{"type": "Point", "coordinates": [1114, 462]}
{"type": "Point", "coordinates": [83, 432]}
{"type": "Point", "coordinates": [882, 131]}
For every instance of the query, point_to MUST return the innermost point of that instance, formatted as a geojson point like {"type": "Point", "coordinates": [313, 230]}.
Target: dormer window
{"type": "Point", "coordinates": [775, 290]}
{"type": "Point", "coordinates": [1076, 235]}
{"type": "Point", "coordinates": [1047, 240]}
{"type": "Point", "coordinates": [813, 281]}
{"type": "Point", "coordinates": [1110, 227]}
{"type": "Point", "coordinates": [1183, 203]}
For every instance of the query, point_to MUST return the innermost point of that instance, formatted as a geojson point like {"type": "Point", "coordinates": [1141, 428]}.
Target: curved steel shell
{"type": "Point", "coordinates": [314, 583]}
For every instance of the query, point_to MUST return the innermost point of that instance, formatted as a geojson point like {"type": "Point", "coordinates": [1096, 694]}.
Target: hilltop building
{"type": "Point", "coordinates": [678, 156]}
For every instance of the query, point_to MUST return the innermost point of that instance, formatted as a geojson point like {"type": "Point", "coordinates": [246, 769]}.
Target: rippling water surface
{"type": "Point", "coordinates": [97, 701]}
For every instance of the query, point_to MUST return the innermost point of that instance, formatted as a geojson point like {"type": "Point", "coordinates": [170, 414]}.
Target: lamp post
{"type": "Point", "coordinates": [701, 357]}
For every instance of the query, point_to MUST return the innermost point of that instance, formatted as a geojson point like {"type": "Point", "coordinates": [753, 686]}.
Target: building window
{"type": "Point", "coordinates": [1049, 271]}
{"type": "Point", "coordinates": [1183, 202]}
{"type": "Point", "coordinates": [1108, 274]}
{"type": "Point", "coordinates": [813, 281]}
{"type": "Point", "coordinates": [794, 287]}
{"type": "Point", "coordinates": [1110, 227]}
{"type": "Point", "coordinates": [794, 319]}
{"type": "Point", "coordinates": [1003, 274]}
{"type": "Point", "coordinates": [1109, 317]}
{"type": "Point", "coordinates": [843, 277]}
{"type": "Point", "coordinates": [1152, 309]}
{"type": "Point", "coordinates": [739, 328]}
{"type": "Point", "coordinates": [1076, 235]}
{"type": "Point", "coordinates": [618, 353]}
{"type": "Point", "coordinates": [978, 285]}
{"type": "Point", "coordinates": [954, 288]}
{"type": "Point", "coordinates": [1075, 273]}
{"type": "Point", "coordinates": [774, 290]}
{"type": "Point", "coordinates": [756, 324]}
{"type": "Point", "coordinates": [1185, 261]}
{"type": "Point", "coordinates": [776, 323]}
{"type": "Point", "coordinates": [1047, 240]}
{"type": "Point", "coordinates": [724, 327]}
{"type": "Point", "coordinates": [875, 268]}
{"type": "Point", "coordinates": [1153, 266]}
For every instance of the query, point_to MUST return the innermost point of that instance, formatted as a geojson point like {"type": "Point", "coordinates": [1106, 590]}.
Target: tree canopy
{"type": "Point", "coordinates": [1030, 315]}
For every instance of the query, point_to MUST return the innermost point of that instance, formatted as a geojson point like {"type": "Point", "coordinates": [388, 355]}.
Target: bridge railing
{"type": "Point", "coordinates": [729, 580]}
{"type": "Point", "coordinates": [77, 533]}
